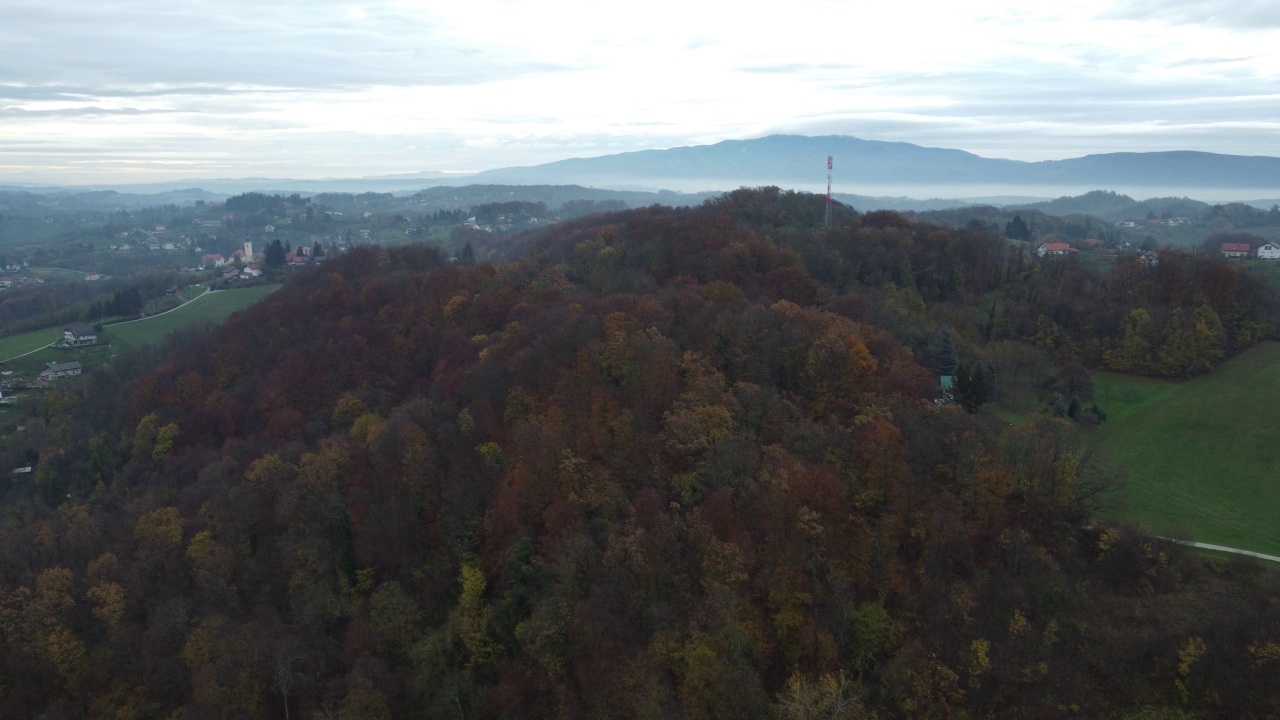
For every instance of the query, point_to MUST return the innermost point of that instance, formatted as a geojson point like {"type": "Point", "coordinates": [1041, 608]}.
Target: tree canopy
{"type": "Point", "coordinates": [660, 463]}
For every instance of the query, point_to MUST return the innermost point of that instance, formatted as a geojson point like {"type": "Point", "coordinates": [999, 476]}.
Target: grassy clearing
{"type": "Point", "coordinates": [15, 345]}
{"type": "Point", "coordinates": [1011, 417]}
{"type": "Point", "coordinates": [1187, 237]}
{"type": "Point", "coordinates": [1202, 455]}
{"type": "Point", "coordinates": [1266, 232]}
{"type": "Point", "coordinates": [89, 357]}
{"type": "Point", "coordinates": [53, 273]}
{"type": "Point", "coordinates": [214, 308]}
{"type": "Point", "coordinates": [1100, 261]}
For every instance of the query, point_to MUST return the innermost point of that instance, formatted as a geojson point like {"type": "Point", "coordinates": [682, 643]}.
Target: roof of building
{"type": "Point", "coordinates": [81, 331]}
{"type": "Point", "coordinates": [1056, 247]}
{"type": "Point", "coordinates": [1236, 247]}
{"type": "Point", "coordinates": [61, 366]}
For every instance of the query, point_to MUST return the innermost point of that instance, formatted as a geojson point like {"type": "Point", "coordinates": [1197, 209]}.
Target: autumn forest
{"type": "Point", "coordinates": [658, 463]}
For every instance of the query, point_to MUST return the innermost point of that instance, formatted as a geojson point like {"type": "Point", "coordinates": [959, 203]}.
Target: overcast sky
{"type": "Point", "coordinates": [139, 90]}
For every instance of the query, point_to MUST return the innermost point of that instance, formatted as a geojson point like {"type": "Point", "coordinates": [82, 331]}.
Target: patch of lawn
{"type": "Point", "coordinates": [1011, 417]}
{"type": "Point", "coordinates": [46, 273]}
{"type": "Point", "coordinates": [1202, 455]}
{"type": "Point", "coordinates": [15, 345]}
{"type": "Point", "coordinates": [213, 307]}
{"type": "Point", "coordinates": [29, 367]}
{"type": "Point", "coordinates": [1123, 395]}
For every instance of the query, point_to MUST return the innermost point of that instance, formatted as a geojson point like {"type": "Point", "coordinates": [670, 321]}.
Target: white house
{"type": "Point", "coordinates": [78, 336]}
{"type": "Point", "coordinates": [1269, 251]}
{"type": "Point", "coordinates": [1054, 248]}
{"type": "Point", "coordinates": [1236, 250]}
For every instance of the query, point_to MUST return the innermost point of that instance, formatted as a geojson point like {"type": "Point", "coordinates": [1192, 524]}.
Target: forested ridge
{"type": "Point", "coordinates": [663, 463]}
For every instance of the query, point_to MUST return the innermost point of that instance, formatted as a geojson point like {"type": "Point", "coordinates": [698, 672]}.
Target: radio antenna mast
{"type": "Point", "coordinates": [826, 218]}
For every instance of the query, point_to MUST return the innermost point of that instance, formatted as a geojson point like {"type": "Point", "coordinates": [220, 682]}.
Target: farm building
{"type": "Point", "coordinates": [64, 369]}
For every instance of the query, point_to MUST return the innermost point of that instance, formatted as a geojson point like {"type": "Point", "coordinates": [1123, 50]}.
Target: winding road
{"type": "Point", "coordinates": [207, 291]}
{"type": "Point", "coordinates": [1225, 549]}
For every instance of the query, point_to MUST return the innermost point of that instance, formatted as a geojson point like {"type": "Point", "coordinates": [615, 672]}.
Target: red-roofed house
{"type": "Point", "coordinates": [1054, 248]}
{"type": "Point", "coordinates": [213, 260]}
{"type": "Point", "coordinates": [1236, 250]}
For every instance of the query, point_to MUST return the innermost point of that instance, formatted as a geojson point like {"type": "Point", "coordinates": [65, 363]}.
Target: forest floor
{"type": "Point", "coordinates": [1201, 457]}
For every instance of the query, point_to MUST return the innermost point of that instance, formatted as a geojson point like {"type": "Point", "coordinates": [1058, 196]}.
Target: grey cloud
{"type": "Point", "coordinates": [1195, 62]}
{"type": "Point", "coordinates": [1235, 14]}
{"type": "Point", "coordinates": [27, 92]}
{"type": "Point", "coordinates": [1068, 89]}
{"type": "Point", "coordinates": [284, 44]}
{"type": "Point", "coordinates": [792, 68]}
{"type": "Point", "coordinates": [1063, 111]}
{"type": "Point", "coordinates": [89, 111]}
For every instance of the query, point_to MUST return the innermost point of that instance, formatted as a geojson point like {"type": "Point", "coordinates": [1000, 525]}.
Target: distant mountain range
{"type": "Point", "coordinates": [791, 159]}
{"type": "Point", "coordinates": [883, 168]}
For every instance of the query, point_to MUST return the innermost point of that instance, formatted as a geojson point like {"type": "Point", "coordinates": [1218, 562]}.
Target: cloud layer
{"type": "Point", "coordinates": [131, 90]}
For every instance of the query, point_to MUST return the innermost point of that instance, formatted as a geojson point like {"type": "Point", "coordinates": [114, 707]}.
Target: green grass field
{"type": "Point", "coordinates": [29, 367]}
{"type": "Point", "coordinates": [1186, 237]}
{"type": "Point", "coordinates": [1202, 455]}
{"type": "Point", "coordinates": [46, 273]}
{"type": "Point", "coordinates": [213, 308]}
{"type": "Point", "coordinates": [15, 345]}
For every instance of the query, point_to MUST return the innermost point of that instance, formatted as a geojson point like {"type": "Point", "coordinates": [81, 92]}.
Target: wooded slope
{"type": "Point", "coordinates": [656, 468]}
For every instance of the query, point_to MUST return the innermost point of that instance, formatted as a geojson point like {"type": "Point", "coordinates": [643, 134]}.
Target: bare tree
{"type": "Point", "coordinates": [285, 677]}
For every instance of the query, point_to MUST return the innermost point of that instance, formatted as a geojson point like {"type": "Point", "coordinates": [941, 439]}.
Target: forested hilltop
{"type": "Point", "coordinates": [663, 463]}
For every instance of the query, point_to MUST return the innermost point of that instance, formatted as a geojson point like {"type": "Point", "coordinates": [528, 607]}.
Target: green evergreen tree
{"type": "Point", "coordinates": [1017, 229]}
{"type": "Point", "coordinates": [990, 382]}
{"type": "Point", "coordinates": [273, 257]}
{"type": "Point", "coordinates": [971, 391]}
{"type": "Point", "coordinates": [943, 359]}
